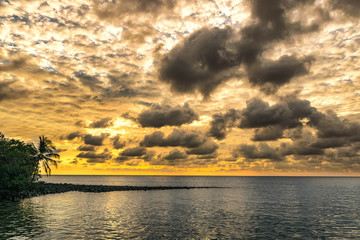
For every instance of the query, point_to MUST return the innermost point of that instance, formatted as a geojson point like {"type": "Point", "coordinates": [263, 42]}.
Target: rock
{"type": "Point", "coordinates": [51, 188]}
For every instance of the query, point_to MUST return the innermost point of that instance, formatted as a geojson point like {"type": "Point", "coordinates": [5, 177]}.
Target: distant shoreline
{"type": "Point", "coordinates": [52, 188]}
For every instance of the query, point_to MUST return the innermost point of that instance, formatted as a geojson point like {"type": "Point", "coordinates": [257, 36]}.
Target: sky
{"type": "Point", "coordinates": [167, 87]}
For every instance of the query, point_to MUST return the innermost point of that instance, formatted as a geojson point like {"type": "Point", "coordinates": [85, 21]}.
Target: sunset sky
{"type": "Point", "coordinates": [249, 87]}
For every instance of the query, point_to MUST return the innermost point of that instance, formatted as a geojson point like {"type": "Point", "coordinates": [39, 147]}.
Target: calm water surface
{"type": "Point", "coordinates": [250, 208]}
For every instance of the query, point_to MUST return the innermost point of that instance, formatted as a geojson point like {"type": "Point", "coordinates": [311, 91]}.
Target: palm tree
{"type": "Point", "coordinates": [46, 152]}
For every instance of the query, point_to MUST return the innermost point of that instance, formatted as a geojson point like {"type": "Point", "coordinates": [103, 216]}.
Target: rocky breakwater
{"type": "Point", "coordinates": [52, 188]}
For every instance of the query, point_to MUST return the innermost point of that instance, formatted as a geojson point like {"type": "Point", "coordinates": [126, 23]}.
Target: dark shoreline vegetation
{"type": "Point", "coordinates": [20, 165]}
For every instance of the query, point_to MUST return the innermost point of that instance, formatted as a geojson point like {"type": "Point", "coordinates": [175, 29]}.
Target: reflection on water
{"type": "Point", "coordinates": [22, 218]}
{"type": "Point", "coordinates": [270, 208]}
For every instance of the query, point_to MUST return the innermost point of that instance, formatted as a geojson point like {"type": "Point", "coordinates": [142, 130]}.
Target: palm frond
{"type": "Point", "coordinates": [46, 168]}
{"type": "Point", "coordinates": [46, 151]}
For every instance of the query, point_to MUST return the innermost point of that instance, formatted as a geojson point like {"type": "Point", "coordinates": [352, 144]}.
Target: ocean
{"type": "Point", "coordinates": [246, 208]}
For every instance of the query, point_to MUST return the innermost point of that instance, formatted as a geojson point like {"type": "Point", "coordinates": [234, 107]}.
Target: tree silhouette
{"type": "Point", "coordinates": [46, 152]}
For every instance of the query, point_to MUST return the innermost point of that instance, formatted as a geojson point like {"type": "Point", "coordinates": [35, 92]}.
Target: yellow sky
{"type": "Point", "coordinates": [185, 87]}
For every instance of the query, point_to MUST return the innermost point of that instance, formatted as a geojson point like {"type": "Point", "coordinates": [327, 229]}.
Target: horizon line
{"type": "Point", "coordinates": [171, 175]}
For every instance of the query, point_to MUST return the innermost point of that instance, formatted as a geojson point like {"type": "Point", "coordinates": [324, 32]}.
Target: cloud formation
{"type": "Point", "coordinates": [299, 147]}
{"type": "Point", "coordinates": [220, 123]}
{"type": "Point", "coordinates": [94, 140]}
{"type": "Point", "coordinates": [207, 58]}
{"type": "Point", "coordinates": [93, 157]}
{"type": "Point", "coordinates": [350, 7]}
{"type": "Point", "coordinates": [270, 75]}
{"type": "Point", "coordinates": [133, 152]}
{"type": "Point", "coordinates": [108, 59]}
{"type": "Point", "coordinates": [253, 152]}
{"type": "Point", "coordinates": [89, 81]}
{"type": "Point", "coordinates": [102, 123]}
{"type": "Point", "coordinates": [74, 135]}
{"type": "Point", "coordinates": [207, 147]}
{"type": "Point", "coordinates": [124, 8]}
{"type": "Point", "coordinates": [268, 133]}
{"type": "Point", "coordinates": [12, 64]}
{"type": "Point", "coordinates": [175, 154]}
{"type": "Point", "coordinates": [177, 138]}
{"type": "Point", "coordinates": [304, 144]}
{"type": "Point", "coordinates": [329, 125]}
{"type": "Point", "coordinates": [9, 90]}
{"type": "Point", "coordinates": [197, 64]}
{"type": "Point", "coordinates": [117, 143]}
{"type": "Point", "coordinates": [196, 143]}
{"type": "Point", "coordinates": [164, 115]}
{"type": "Point", "coordinates": [137, 17]}
{"type": "Point", "coordinates": [286, 114]}
{"type": "Point", "coordinates": [272, 120]}
{"type": "Point", "coordinates": [87, 148]}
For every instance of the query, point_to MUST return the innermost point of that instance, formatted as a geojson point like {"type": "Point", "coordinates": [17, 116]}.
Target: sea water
{"type": "Point", "coordinates": [246, 208]}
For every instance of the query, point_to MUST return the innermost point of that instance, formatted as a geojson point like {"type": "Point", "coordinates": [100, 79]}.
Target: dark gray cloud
{"type": "Point", "coordinates": [207, 57]}
{"type": "Point", "coordinates": [273, 119]}
{"type": "Point", "coordinates": [218, 126]}
{"type": "Point", "coordinates": [305, 145]}
{"type": "Point", "coordinates": [329, 125]}
{"type": "Point", "coordinates": [268, 133]}
{"type": "Point", "coordinates": [93, 157]}
{"type": "Point", "coordinates": [10, 65]}
{"type": "Point", "coordinates": [102, 123]}
{"type": "Point", "coordinates": [80, 123]}
{"type": "Point", "coordinates": [9, 90]}
{"type": "Point", "coordinates": [208, 147]}
{"type": "Point", "coordinates": [89, 81]}
{"type": "Point", "coordinates": [127, 115]}
{"type": "Point", "coordinates": [154, 139]}
{"type": "Point", "coordinates": [88, 139]}
{"type": "Point", "coordinates": [270, 75]}
{"type": "Point", "coordinates": [253, 152]}
{"type": "Point", "coordinates": [197, 144]}
{"type": "Point", "coordinates": [87, 148]}
{"type": "Point", "coordinates": [176, 138]}
{"type": "Point", "coordinates": [272, 17]}
{"type": "Point", "coordinates": [207, 156]}
{"type": "Point", "coordinates": [164, 115]}
{"type": "Point", "coordinates": [197, 63]}
{"type": "Point", "coordinates": [344, 152]}
{"type": "Point", "coordinates": [324, 143]}
{"type": "Point", "coordinates": [220, 123]}
{"type": "Point", "coordinates": [301, 147]}
{"type": "Point", "coordinates": [121, 159]}
{"type": "Point", "coordinates": [270, 12]}
{"type": "Point", "coordinates": [120, 85]}
{"type": "Point", "coordinates": [264, 151]}
{"type": "Point", "coordinates": [350, 7]}
{"type": "Point", "coordinates": [149, 155]}
{"type": "Point", "coordinates": [134, 152]}
{"type": "Point", "coordinates": [120, 92]}
{"type": "Point", "coordinates": [175, 154]}
{"type": "Point", "coordinates": [117, 143]}
{"type": "Point", "coordinates": [184, 139]}
{"type": "Point", "coordinates": [289, 113]}
{"type": "Point", "coordinates": [74, 135]}
{"type": "Point", "coordinates": [94, 140]}
{"type": "Point", "coordinates": [286, 114]}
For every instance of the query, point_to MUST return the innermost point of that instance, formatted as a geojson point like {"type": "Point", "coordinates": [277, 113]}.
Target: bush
{"type": "Point", "coordinates": [19, 166]}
